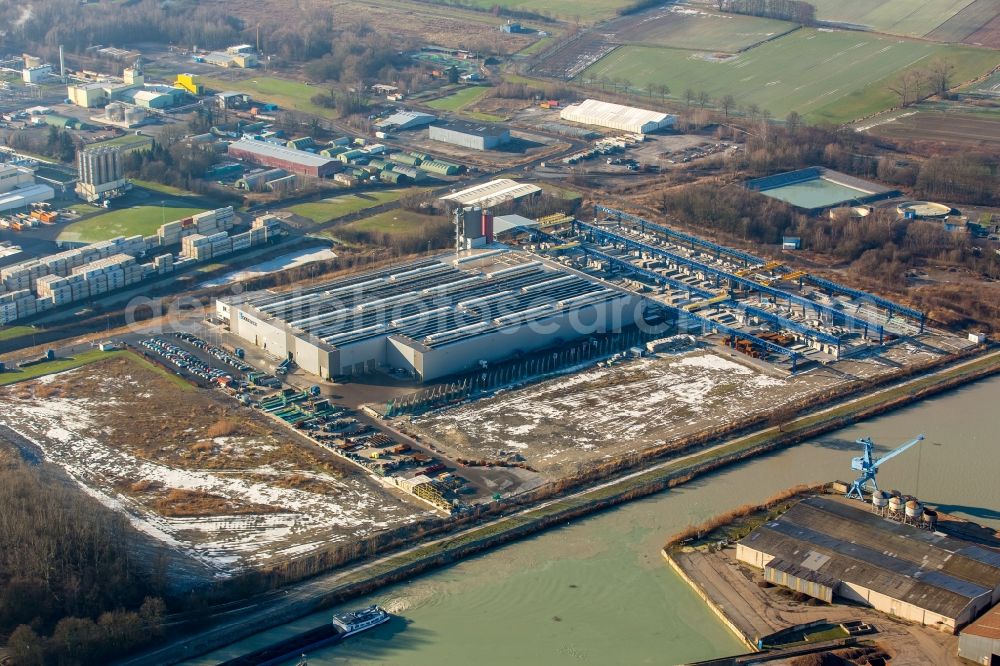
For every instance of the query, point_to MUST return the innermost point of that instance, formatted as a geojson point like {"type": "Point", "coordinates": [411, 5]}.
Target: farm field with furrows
{"type": "Point", "coordinates": [588, 12]}
{"type": "Point", "coordinates": [833, 76]}
{"type": "Point", "coordinates": [689, 27]}
{"type": "Point", "coordinates": [444, 25]}
{"type": "Point", "coordinates": [895, 17]}
{"type": "Point", "coordinates": [977, 130]}
{"type": "Point", "coordinates": [207, 478]}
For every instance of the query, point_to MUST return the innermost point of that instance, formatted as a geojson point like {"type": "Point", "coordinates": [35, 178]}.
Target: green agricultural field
{"type": "Point", "coordinates": [397, 223]}
{"type": "Point", "coordinates": [832, 76]}
{"type": "Point", "coordinates": [588, 11]}
{"type": "Point", "coordinates": [910, 18]}
{"type": "Point", "coordinates": [325, 210]}
{"type": "Point", "coordinates": [688, 28]}
{"type": "Point", "coordinates": [144, 220]}
{"type": "Point", "coordinates": [459, 100]}
{"type": "Point", "coordinates": [283, 92]}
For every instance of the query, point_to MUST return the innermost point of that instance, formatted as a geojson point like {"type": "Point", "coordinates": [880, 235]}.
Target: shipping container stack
{"type": "Point", "coordinates": [264, 229]}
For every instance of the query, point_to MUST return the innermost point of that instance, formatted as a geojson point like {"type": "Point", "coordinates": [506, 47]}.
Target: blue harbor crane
{"type": "Point", "coordinates": [869, 467]}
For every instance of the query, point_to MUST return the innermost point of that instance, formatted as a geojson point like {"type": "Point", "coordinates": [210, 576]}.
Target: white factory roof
{"type": "Point", "coordinates": [492, 193]}
{"type": "Point", "coordinates": [24, 196]}
{"type": "Point", "coordinates": [616, 116]}
{"type": "Point", "coordinates": [280, 152]}
{"type": "Point", "coordinates": [148, 95]}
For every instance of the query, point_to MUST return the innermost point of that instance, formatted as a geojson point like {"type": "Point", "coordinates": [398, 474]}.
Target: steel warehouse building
{"type": "Point", "coordinates": [280, 157]}
{"type": "Point", "coordinates": [616, 116]}
{"type": "Point", "coordinates": [492, 193]}
{"type": "Point", "coordinates": [980, 641]}
{"type": "Point", "coordinates": [433, 317]}
{"type": "Point", "coordinates": [825, 546]}
{"type": "Point", "coordinates": [478, 136]}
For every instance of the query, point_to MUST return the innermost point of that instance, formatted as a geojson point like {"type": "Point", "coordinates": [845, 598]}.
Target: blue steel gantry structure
{"type": "Point", "coordinates": [695, 243]}
{"type": "Point", "coordinates": [606, 236]}
{"type": "Point", "coordinates": [689, 321]}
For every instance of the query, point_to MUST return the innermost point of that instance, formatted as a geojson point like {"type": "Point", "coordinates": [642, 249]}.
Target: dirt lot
{"type": "Point", "coordinates": [215, 481]}
{"type": "Point", "coordinates": [565, 422]}
{"type": "Point", "coordinates": [957, 129]}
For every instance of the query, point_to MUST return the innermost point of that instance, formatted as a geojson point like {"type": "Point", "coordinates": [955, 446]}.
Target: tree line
{"type": "Point", "coordinates": [795, 11]}
{"type": "Point", "coordinates": [72, 589]}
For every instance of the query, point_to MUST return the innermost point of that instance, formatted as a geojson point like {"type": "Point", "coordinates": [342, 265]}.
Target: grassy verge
{"type": "Point", "coordinates": [86, 358]}
{"type": "Point", "coordinates": [459, 100]}
{"type": "Point", "coordinates": [283, 92]}
{"type": "Point", "coordinates": [330, 209]}
{"type": "Point", "coordinates": [163, 189]}
{"type": "Point", "coordinates": [11, 332]}
{"type": "Point", "coordinates": [58, 365]}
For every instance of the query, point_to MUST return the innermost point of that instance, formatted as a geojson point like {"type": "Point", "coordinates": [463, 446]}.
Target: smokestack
{"type": "Point", "coordinates": [487, 228]}
{"type": "Point", "coordinates": [62, 64]}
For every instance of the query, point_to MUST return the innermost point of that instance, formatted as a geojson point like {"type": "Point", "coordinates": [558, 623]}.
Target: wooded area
{"type": "Point", "coordinates": [72, 588]}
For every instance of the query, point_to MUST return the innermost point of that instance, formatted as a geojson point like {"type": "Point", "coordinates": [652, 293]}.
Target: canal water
{"type": "Point", "coordinates": [597, 592]}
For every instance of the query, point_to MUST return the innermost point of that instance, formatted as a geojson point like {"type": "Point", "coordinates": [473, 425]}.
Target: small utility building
{"type": "Point", "coordinates": [478, 136]}
{"type": "Point", "coordinates": [829, 546]}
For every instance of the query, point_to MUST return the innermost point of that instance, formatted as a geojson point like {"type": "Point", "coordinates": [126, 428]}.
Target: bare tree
{"type": "Point", "coordinates": [907, 85]}
{"type": "Point", "coordinates": [688, 96]}
{"type": "Point", "coordinates": [726, 103]}
{"type": "Point", "coordinates": [703, 99]}
{"type": "Point", "coordinates": [939, 75]}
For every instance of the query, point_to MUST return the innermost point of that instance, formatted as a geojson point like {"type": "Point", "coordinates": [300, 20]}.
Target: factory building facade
{"type": "Point", "coordinates": [432, 318]}
{"type": "Point", "coordinates": [478, 136]}
{"type": "Point", "coordinates": [280, 157]}
{"type": "Point", "coordinates": [831, 546]}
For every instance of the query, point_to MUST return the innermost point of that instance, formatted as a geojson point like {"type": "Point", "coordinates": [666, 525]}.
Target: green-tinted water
{"type": "Point", "coordinates": [597, 592]}
{"type": "Point", "coordinates": [818, 193]}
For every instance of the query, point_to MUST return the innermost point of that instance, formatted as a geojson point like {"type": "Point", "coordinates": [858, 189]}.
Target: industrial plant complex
{"type": "Point", "coordinates": [432, 318]}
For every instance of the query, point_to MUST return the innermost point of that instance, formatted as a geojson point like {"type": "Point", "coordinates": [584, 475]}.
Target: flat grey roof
{"type": "Point", "coordinates": [484, 130]}
{"type": "Point", "coordinates": [844, 540]}
{"type": "Point", "coordinates": [430, 302]}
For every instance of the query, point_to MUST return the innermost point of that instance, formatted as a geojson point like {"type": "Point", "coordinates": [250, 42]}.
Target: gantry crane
{"type": "Point", "coordinates": [869, 467]}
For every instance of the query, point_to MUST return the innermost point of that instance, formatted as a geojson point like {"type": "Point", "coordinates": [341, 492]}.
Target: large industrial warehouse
{"type": "Point", "coordinates": [432, 318]}
{"type": "Point", "coordinates": [617, 116]}
{"type": "Point", "coordinates": [280, 157]}
{"type": "Point", "coordinates": [826, 546]}
{"type": "Point", "coordinates": [478, 136]}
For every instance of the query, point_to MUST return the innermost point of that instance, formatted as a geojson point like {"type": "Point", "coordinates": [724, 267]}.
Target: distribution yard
{"type": "Point", "coordinates": [193, 471]}
{"type": "Point", "coordinates": [686, 27]}
{"type": "Point", "coordinates": [833, 76]}
{"type": "Point", "coordinates": [130, 221]}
